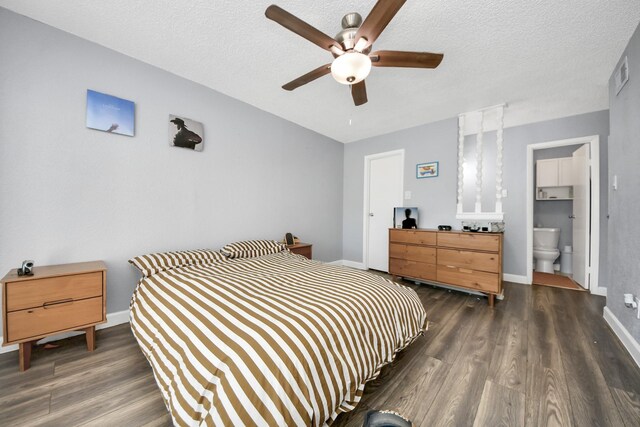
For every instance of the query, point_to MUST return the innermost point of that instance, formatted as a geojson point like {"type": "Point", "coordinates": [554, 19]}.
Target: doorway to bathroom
{"type": "Point", "coordinates": [563, 213]}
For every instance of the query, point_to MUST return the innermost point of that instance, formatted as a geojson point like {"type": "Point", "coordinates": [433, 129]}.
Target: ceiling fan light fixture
{"type": "Point", "coordinates": [361, 44]}
{"type": "Point", "coordinates": [351, 68]}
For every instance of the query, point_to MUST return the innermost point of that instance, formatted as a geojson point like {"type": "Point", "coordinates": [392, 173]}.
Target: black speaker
{"type": "Point", "coordinates": [444, 227]}
{"type": "Point", "coordinates": [289, 238]}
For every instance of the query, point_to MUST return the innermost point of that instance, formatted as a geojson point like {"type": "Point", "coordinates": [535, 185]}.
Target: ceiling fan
{"type": "Point", "coordinates": [351, 48]}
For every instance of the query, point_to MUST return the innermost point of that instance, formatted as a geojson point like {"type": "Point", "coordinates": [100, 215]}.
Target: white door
{"type": "Point", "coordinates": [581, 214]}
{"type": "Point", "coordinates": [385, 193]}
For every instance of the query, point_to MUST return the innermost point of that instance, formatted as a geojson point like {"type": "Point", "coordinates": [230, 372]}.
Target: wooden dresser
{"type": "Point", "coordinates": [56, 298]}
{"type": "Point", "coordinates": [461, 259]}
{"type": "Point", "coordinates": [304, 249]}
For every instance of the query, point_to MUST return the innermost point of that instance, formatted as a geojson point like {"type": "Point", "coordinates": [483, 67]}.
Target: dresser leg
{"type": "Point", "coordinates": [91, 338]}
{"type": "Point", "coordinates": [492, 298]}
{"type": "Point", "coordinates": [25, 355]}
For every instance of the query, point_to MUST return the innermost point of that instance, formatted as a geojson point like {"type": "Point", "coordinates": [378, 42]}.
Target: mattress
{"type": "Point", "coordinates": [273, 340]}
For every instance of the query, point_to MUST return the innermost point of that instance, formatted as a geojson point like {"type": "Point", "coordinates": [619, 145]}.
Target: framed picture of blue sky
{"type": "Point", "coordinates": [110, 114]}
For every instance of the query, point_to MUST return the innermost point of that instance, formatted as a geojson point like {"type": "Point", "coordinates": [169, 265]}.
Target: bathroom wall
{"type": "Point", "coordinates": [555, 213]}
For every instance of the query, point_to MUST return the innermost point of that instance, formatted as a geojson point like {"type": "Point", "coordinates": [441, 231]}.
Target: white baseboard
{"type": "Point", "coordinates": [599, 291]}
{"type": "Point", "coordinates": [113, 319]}
{"type": "Point", "coordinates": [347, 263]}
{"type": "Point", "coordinates": [515, 278]}
{"type": "Point", "coordinates": [623, 335]}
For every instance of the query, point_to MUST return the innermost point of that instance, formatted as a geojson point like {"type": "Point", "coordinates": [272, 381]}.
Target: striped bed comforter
{"type": "Point", "coordinates": [274, 340]}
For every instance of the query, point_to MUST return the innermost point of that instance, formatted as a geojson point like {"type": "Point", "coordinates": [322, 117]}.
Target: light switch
{"type": "Point", "coordinates": [407, 195]}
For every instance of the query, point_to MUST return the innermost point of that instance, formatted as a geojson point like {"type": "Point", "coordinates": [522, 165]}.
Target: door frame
{"type": "Point", "coordinates": [365, 206]}
{"type": "Point", "coordinates": [593, 268]}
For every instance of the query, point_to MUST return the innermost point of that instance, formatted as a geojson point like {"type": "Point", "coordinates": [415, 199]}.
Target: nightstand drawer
{"type": "Point", "coordinates": [36, 293]}
{"type": "Point", "coordinates": [35, 322]}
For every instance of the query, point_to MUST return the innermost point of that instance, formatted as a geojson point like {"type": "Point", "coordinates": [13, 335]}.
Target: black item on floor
{"type": "Point", "coordinates": [385, 419]}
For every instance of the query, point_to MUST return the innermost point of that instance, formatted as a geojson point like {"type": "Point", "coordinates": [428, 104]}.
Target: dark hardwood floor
{"type": "Point", "coordinates": [543, 356]}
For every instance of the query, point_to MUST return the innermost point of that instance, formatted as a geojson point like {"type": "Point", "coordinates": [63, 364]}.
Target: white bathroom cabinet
{"type": "Point", "coordinates": [554, 179]}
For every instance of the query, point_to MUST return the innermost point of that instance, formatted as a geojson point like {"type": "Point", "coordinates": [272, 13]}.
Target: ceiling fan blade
{"type": "Point", "coordinates": [309, 77]}
{"type": "Point", "coordinates": [300, 27]}
{"type": "Point", "coordinates": [359, 93]}
{"type": "Point", "coordinates": [377, 20]}
{"type": "Point", "coordinates": [396, 58]}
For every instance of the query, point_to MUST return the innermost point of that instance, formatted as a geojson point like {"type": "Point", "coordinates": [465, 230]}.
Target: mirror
{"type": "Point", "coordinates": [480, 142]}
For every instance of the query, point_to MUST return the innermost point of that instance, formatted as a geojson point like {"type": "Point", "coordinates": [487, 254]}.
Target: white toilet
{"type": "Point", "coordinates": [545, 248]}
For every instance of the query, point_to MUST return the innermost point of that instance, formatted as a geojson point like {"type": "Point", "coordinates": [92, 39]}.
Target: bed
{"type": "Point", "coordinates": [273, 339]}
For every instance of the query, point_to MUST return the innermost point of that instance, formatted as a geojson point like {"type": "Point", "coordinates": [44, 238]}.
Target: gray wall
{"type": "Point", "coordinates": [624, 204]}
{"type": "Point", "coordinates": [436, 197]}
{"type": "Point", "coordinates": [555, 213]}
{"type": "Point", "coordinates": [74, 194]}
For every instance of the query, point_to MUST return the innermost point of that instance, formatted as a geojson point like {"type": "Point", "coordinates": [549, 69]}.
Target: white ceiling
{"type": "Point", "coordinates": [546, 59]}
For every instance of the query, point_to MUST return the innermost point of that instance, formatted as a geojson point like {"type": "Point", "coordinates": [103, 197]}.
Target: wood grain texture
{"type": "Point", "coordinates": [481, 261]}
{"type": "Point", "coordinates": [628, 403]}
{"type": "Point", "coordinates": [56, 270]}
{"type": "Point", "coordinates": [591, 400]}
{"type": "Point", "coordinates": [323, 70]}
{"type": "Point", "coordinates": [500, 406]}
{"type": "Point", "coordinates": [395, 58]}
{"type": "Point", "coordinates": [36, 293]}
{"type": "Point", "coordinates": [547, 398]}
{"type": "Point", "coordinates": [464, 260]}
{"type": "Point", "coordinates": [509, 361]}
{"type": "Point", "coordinates": [416, 237]}
{"type": "Point", "coordinates": [548, 402]}
{"type": "Point", "coordinates": [465, 370]}
{"type": "Point", "coordinates": [36, 322]}
{"type": "Point", "coordinates": [54, 299]}
{"type": "Point", "coordinates": [474, 241]}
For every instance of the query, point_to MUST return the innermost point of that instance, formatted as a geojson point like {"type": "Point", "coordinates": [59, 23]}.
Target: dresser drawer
{"type": "Point", "coordinates": [479, 280]}
{"type": "Point", "coordinates": [413, 253]}
{"type": "Point", "coordinates": [476, 241]}
{"type": "Point", "coordinates": [481, 261]}
{"type": "Point", "coordinates": [35, 293]}
{"type": "Point", "coordinates": [40, 321]}
{"type": "Point", "coordinates": [417, 237]}
{"type": "Point", "coordinates": [414, 269]}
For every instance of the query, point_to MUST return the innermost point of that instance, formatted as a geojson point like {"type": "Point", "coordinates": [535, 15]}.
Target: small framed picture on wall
{"type": "Point", "coordinates": [427, 170]}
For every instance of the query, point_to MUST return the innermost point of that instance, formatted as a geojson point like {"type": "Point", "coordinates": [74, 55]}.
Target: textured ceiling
{"type": "Point", "coordinates": [546, 59]}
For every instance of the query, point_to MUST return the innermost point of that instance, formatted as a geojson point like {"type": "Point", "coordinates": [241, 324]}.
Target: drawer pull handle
{"type": "Point", "coordinates": [464, 270]}
{"type": "Point", "coordinates": [59, 302]}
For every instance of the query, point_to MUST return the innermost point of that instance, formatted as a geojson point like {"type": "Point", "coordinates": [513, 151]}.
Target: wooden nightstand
{"type": "Point", "coordinates": [303, 249]}
{"type": "Point", "coordinates": [57, 298]}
